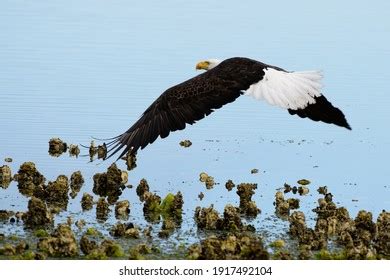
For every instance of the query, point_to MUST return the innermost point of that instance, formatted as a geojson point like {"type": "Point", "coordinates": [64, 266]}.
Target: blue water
{"type": "Point", "coordinates": [76, 69]}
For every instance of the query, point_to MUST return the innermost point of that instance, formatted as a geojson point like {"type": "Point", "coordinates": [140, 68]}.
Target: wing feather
{"type": "Point", "coordinates": [183, 104]}
{"type": "Point", "coordinates": [289, 90]}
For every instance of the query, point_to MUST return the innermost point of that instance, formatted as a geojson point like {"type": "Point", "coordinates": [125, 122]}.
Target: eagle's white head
{"type": "Point", "coordinates": [208, 64]}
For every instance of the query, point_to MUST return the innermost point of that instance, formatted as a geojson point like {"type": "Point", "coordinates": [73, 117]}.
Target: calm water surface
{"type": "Point", "coordinates": [76, 69]}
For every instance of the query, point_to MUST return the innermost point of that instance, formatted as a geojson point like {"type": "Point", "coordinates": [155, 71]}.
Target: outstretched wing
{"type": "Point", "coordinates": [288, 90]}
{"type": "Point", "coordinates": [322, 110]}
{"type": "Point", "coordinates": [299, 93]}
{"type": "Point", "coordinates": [183, 104]}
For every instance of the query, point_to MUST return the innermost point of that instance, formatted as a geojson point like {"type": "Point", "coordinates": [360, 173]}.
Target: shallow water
{"type": "Point", "coordinates": [76, 69]}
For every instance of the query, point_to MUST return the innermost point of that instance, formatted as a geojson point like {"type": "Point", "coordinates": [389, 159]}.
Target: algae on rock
{"type": "Point", "coordinates": [229, 247]}
{"type": "Point", "coordinates": [61, 243]}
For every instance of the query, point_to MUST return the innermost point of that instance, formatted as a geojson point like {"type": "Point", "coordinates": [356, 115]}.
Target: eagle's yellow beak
{"type": "Point", "coordinates": [203, 65]}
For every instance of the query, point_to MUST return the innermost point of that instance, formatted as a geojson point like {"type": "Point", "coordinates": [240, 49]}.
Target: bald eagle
{"type": "Point", "coordinates": [222, 83]}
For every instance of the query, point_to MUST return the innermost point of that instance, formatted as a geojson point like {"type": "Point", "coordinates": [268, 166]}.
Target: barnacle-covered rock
{"type": "Point", "coordinates": [237, 246]}
{"type": "Point", "coordinates": [365, 227]}
{"type": "Point", "coordinates": [5, 176]}
{"type": "Point", "coordinates": [325, 209]}
{"type": "Point", "coordinates": [313, 239]}
{"type": "Point", "coordinates": [303, 182]}
{"type": "Point", "coordinates": [283, 206]}
{"type": "Point", "coordinates": [125, 230]}
{"type": "Point", "coordinates": [307, 237]}
{"type": "Point", "coordinates": [61, 243]}
{"type": "Point", "coordinates": [122, 209]}
{"type": "Point", "coordinates": [151, 207]}
{"type": "Point", "coordinates": [328, 197]}
{"type": "Point", "coordinates": [229, 185]}
{"type": "Point", "coordinates": [339, 222]}
{"type": "Point", "coordinates": [7, 250]}
{"type": "Point", "coordinates": [297, 223]}
{"type": "Point", "coordinates": [247, 207]}
{"type": "Point", "coordinates": [57, 147]}
{"type": "Point", "coordinates": [37, 214]}
{"type": "Point", "coordinates": [87, 245]}
{"type": "Point", "coordinates": [112, 249]}
{"type": "Point", "coordinates": [76, 182]}
{"type": "Point", "coordinates": [106, 249]}
{"type": "Point", "coordinates": [302, 190]}
{"type": "Point", "coordinates": [207, 218]}
{"type": "Point", "coordinates": [167, 228]}
{"type": "Point", "coordinates": [142, 188]}
{"type": "Point", "coordinates": [131, 160]}
{"type": "Point", "coordinates": [185, 143]}
{"type": "Point", "coordinates": [5, 215]}
{"type": "Point", "coordinates": [92, 150]}
{"type": "Point", "coordinates": [207, 180]}
{"type": "Point", "coordinates": [293, 203]}
{"type": "Point", "coordinates": [29, 178]}
{"type": "Point", "coordinates": [102, 209]}
{"type": "Point", "coordinates": [382, 241]}
{"type": "Point", "coordinates": [102, 151]}
{"type": "Point", "coordinates": [231, 218]}
{"type": "Point", "coordinates": [323, 190]}
{"type": "Point", "coordinates": [287, 188]}
{"type": "Point", "coordinates": [143, 248]}
{"type": "Point", "coordinates": [21, 247]}
{"type": "Point", "coordinates": [109, 184]}
{"type": "Point", "coordinates": [86, 202]}
{"type": "Point", "coordinates": [251, 209]}
{"type": "Point", "coordinates": [74, 150]}
{"type": "Point", "coordinates": [125, 178]}
{"type": "Point", "coordinates": [56, 192]}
